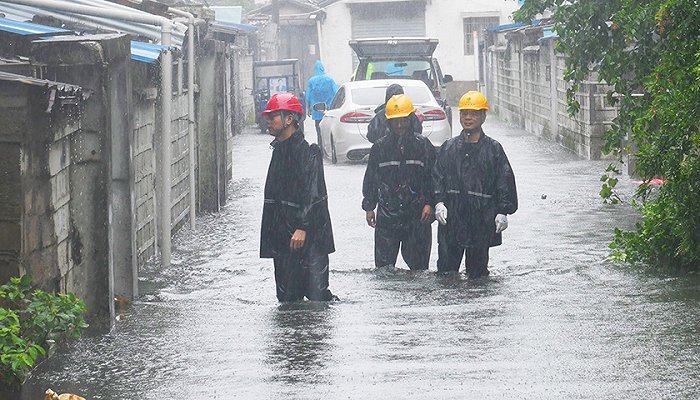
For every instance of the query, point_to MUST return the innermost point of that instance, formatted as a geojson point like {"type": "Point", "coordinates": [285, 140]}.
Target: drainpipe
{"type": "Point", "coordinates": [166, 93]}
{"type": "Point", "coordinates": [166, 90]}
{"type": "Point", "coordinates": [475, 44]}
{"type": "Point", "coordinates": [190, 106]}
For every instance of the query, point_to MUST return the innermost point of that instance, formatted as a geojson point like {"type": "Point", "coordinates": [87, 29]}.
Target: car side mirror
{"type": "Point", "coordinates": [448, 78]}
{"type": "Point", "coordinates": [320, 107]}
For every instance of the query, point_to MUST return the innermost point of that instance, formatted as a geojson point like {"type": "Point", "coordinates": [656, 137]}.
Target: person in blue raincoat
{"type": "Point", "coordinates": [320, 89]}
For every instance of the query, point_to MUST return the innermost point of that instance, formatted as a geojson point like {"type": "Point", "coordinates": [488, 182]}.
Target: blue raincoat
{"type": "Point", "coordinates": [320, 89]}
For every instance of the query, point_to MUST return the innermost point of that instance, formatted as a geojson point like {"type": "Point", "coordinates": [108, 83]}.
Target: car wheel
{"type": "Point", "coordinates": [334, 156]}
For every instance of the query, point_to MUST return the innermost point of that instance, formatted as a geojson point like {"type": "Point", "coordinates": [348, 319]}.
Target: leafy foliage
{"type": "Point", "coordinates": [649, 53]}
{"type": "Point", "coordinates": [28, 320]}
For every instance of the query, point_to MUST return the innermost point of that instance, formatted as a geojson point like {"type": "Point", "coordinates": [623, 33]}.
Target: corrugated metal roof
{"type": "Point", "coordinates": [515, 25]}
{"type": "Point", "coordinates": [221, 25]}
{"type": "Point", "coordinates": [26, 13]}
{"type": "Point", "coordinates": [145, 52]}
{"type": "Point", "coordinates": [140, 51]}
{"type": "Point", "coordinates": [30, 29]}
{"type": "Point", "coordinates": [64, 87]}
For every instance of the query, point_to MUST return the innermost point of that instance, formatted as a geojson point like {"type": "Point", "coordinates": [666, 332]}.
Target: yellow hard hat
{"type": "Point", "coordinates": [473, 100]}
{"type": "Point", "coordinates": [399, 106]}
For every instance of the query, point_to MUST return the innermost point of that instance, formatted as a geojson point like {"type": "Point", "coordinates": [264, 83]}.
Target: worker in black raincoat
{"type": "Point", "coordinates": [378, 126]}
{"type": "Point", "coordinates": [474, 192]}
{"type": "Point", "coordinates": [398, 183]}
{"type": "Point", "coordinates": [296, 225]}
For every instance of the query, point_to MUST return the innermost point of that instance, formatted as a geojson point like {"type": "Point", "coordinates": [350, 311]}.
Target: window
{"type": "Point", "coordinates": [478, 24]}
{"type": "Point", "coordinates": [373, 96]}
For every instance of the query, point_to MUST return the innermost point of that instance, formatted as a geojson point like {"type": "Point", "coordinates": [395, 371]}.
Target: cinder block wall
{"type": "Point", "coordinates": [526, 88]}
{"type": "Point", "coordinates": [179, 135]}
{"type": "Point", "coordinates": [37, 152]}
{"type": "Point", "coordinates": [144, 161]}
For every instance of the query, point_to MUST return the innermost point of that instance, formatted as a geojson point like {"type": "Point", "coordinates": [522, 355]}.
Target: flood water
{"type": "Point", "coordinates": [555, 320]}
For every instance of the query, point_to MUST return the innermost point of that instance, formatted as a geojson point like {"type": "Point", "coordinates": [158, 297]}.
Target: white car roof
{"type": "Point", "coordinates": [384, 83]}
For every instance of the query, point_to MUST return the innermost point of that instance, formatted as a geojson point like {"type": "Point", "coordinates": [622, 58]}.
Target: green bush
{"type": "Point", "coordinates": [649, 54]}
{"type": "Point", "coordinates": [28, 320]}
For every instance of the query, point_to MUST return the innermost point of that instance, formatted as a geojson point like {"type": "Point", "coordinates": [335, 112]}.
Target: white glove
{"type": "Point", "coordinates": [501, 223]}
{"type": "Point", "coordinates": [441, 213]}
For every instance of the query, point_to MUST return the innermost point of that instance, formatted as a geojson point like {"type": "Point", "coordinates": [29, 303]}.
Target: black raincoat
{"type": "Point", "coordinates": [398, 183]}
{"type": "Point", "coordinates": [475, 182]}
{"type": "Point", "coordinates": [378, 126]}
{"type": "Point", "coordinates": [296, 198]}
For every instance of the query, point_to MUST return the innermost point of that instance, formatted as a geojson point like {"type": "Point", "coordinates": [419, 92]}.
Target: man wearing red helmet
{"type": "Point", "coordinates": [296, 225]}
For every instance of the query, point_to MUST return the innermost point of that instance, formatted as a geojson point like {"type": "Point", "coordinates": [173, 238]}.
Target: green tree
{"type": "Point", "coordinates": [648, 51]}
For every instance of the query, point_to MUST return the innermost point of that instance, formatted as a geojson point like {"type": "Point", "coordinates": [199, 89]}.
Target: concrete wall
{"type": "Point", "coordinates": [525, 86]}
{"type": "Point", "coordinates": [180, 168]}
{"type": "Point", "coordinates": [144, 161]}
{"type": "Point", "coordinates": [14, 104]}
{"type": "Point", "coordinates": [336, 55]}
{"type": "Point", "coordinates": [79, 188]}
{"type": "Point", "coordinates": [37, 234]}
{"type": "Point", "coordinates": [443, 20]}
{"type": "Point", "coordinates": [212, 116]}
{"type": "Point", "coordinates": [100, 177]}
{"type": "Point", "coordinates": [244, 106]}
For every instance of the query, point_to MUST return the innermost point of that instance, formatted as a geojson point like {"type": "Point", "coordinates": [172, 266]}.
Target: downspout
{"type": "Point", "coordinates": [166, 90]}
{"type": "Point", "coordinates": [166, 95]}
{"type": "Point", "coordinates": [190, 107]}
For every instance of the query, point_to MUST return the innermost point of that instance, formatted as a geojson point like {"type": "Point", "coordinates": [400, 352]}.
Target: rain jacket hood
{"type": "Point", "coordinates": [319, 69]}
{"type": "Point", "coordinates": [320, 89]}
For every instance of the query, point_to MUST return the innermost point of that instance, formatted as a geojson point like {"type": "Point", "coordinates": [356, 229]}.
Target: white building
{"type": "Point", "coordinates": [450, 21]}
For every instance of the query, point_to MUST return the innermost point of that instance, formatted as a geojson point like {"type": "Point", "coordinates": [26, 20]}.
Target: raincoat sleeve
{"type": "Point", "coordinates": [439, 175]}
{"type": "Point", "coordinates": [370, 190]}
{"type": "Point", "coordinates": [314, 192]}
{"type": "Point", "coordinates": [373, 129]}
{"type": "Point", "coordinates": [416, 124]}
{"type": "Point", "coordinates": [428, 179]}
{"type": "Point", "coordinates": [506, 193]}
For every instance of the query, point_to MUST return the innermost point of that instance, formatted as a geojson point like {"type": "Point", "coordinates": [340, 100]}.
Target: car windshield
{"type": "Point", "coordinates": [414, 69]}
{"type": "Point", "coordinates": [373, 96]}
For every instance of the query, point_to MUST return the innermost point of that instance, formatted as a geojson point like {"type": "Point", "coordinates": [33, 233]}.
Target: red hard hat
{"type": "Point", "coordinates": [283, 101]}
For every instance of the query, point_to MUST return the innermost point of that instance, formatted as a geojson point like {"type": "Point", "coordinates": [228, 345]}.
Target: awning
{"type": "Point", "coordinates": [145, 52]}
{"type": "Point", "coordinates": [31, 29]}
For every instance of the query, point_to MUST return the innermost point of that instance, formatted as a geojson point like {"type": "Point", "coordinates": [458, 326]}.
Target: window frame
{"type": "Point", "coordinates": [476, 23]}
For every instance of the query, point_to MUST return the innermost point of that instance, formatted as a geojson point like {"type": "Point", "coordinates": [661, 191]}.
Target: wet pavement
{"type": "Point", "coordinates": [555, 319]}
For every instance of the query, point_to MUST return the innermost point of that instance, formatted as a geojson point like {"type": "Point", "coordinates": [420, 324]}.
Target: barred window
{"type": "Point", "coordinates": [478, 24]}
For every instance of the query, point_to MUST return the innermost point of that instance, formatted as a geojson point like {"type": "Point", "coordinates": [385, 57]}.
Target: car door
{"type": "Point", "coordinates": [331, 117]}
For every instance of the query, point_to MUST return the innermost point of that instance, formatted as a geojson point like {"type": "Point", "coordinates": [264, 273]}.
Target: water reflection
{"type": "Point", "coordinates": [300, 342]}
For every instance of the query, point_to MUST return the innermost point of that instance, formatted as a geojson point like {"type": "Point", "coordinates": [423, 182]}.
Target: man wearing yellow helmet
{"type": "Point", "coordinates": [473, 179]}
{"type": "Point", "coordinates": [398, 183]}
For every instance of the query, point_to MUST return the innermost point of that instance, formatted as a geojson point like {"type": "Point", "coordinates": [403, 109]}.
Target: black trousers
{"type": "Point", "coordinates": [302, 274]}
{"type": "Point", "coordinates": [413, 237]}
{"type": "Point", "coordinates": [318, 133]}
{"type": "Point", "coordinates": [476, 259]}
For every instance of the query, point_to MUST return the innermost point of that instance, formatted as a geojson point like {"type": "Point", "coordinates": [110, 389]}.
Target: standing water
{"type": "Point", "coordinates": [554, 320]}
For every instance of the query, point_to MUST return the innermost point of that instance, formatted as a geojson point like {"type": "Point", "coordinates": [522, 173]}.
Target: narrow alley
{"type": "Point", "coordinates": [554, 320]}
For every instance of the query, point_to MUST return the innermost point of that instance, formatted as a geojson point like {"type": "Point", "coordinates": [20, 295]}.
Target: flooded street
{"type": "Point", "coordinates": [554, 320]}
